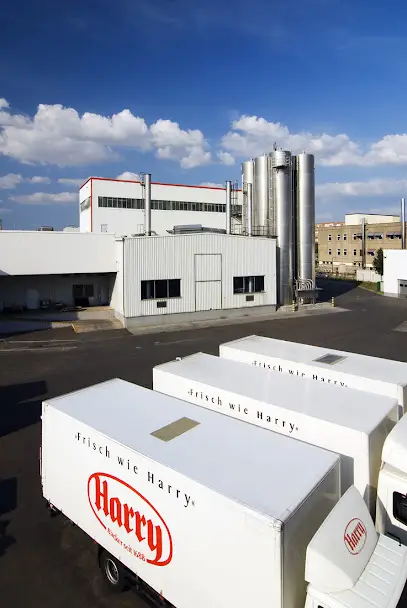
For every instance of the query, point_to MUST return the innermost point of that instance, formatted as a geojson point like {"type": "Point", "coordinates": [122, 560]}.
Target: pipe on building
{"type": "Point", "coordinates": [147, 204]}
{"type": "Point", "coordinates": [363, 242]}
{"type": "Point", "coordinates": [228, 207]}
{"type": "Point", "coordinates": [249, 195]}
{"type": "Point", "coordinates": [305, 212]}
{"type": "Point", "coordinates": [403, 223]}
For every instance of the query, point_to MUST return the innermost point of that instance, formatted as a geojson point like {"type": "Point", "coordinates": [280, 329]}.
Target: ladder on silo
{"type": "Point", "coordinates": [271, 211]}
{"type": "Point", "coordinates": [236, 211]}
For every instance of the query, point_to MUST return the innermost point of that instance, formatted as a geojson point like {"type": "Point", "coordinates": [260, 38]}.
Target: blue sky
{"type": "Point", "coordinates": [186, 90]}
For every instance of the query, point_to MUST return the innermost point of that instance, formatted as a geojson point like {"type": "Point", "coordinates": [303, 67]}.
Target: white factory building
{"type": "Point", "coordinates": [395, 272]}
{"type": "Point", "coordinates": [117, 207]}
{"type": "Point", "coordinates": [144, 280]}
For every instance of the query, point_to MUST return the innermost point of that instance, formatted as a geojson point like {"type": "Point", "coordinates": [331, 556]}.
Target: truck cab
{"type": "Point", "coordinates": [350, 565]}
{"type": "Point", "coordinates": [391, 510]}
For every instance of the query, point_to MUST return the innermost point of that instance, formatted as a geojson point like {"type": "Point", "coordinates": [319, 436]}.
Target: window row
{"type": "Point", "coordinates": [345, 252]}
{"type": "Point", "coordinates": [162, 289]}
{"type": "Point", "coordinates": [138, 203]}
{"type": "Point", "coordinates": [370, 236]}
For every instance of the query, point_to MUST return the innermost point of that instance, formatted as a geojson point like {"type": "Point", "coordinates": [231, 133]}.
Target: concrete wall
{"type": "Point", "coordinates": [45, 253]}
{"type": "Point", "coordinates": [131, 221]}
{"type": "Point", "coordinates": [394, 269]}
{"type": "Point", "coordinates": [366, 274]}
{"type": "Point", "coordinates": [206, 282]}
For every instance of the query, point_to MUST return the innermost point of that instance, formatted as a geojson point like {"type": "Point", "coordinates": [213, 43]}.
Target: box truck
{"type": "Point", "coordinates": [371, 374]}
{"type": "Point", "coordinates": [203, 510]}
{"type": "Point", "coordinates": [351, 423]}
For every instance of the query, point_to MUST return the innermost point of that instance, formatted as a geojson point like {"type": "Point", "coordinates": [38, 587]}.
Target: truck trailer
{"type": "Point", "coordinates": [205, 510]}
{"type": "Point", "coordinates": [351, 423]}
{"type": "Point", "coordinates": [326, 365]}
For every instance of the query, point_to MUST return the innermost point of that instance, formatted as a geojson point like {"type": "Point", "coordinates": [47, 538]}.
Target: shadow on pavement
{"type": "Point", "coordinates": [20, 405]}
{"type": "Point", "coordinates": [6, 540]}
{"type": "Point", "coordinates": [8, 495]}
{"type": "Point", "coordinates": [333, 288]}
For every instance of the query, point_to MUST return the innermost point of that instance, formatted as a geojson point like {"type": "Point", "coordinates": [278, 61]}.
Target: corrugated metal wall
{"type": "Point", "coordinates": [175, 257]}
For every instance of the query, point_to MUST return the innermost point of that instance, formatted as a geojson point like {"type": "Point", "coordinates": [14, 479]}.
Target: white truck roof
{"type": "Point", "coordinates": [240, 461]}
{"type": "Point", "coordinates": [345, 407]}
{"type": "Point", "coordinates": [385, 370]}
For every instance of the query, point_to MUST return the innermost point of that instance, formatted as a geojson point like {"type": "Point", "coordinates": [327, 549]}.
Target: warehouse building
{"type": "Point", "coordinates": [165, 279]}
{"type": "Point", "coordinates": [118, 206]}
{"type": "Point", "coordinates": [140, 280]}
{"type": "Point", "coordinates": [395, 273]}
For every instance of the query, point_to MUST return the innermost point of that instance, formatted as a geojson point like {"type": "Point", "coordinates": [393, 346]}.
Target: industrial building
{"type": "Point", "coordinates": [395, 273]}
{"type": "Point", "coordinates": [353, 244]}
{"type": "Point", "coordinates": [118, 206]}
{"type": "Point", "coordinates": [144, 280]}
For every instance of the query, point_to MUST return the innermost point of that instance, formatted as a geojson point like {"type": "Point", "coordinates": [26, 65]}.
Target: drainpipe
{"type": "Point", "coordinates": [147, 204]}
{"type": "Point", "coordinates": [403, 223]}
{"type": "Point", "coordinates": [228, 207]}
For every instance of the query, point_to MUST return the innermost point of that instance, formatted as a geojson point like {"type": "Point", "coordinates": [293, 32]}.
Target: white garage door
{"type": "Point", "coordinates": [208, 281]}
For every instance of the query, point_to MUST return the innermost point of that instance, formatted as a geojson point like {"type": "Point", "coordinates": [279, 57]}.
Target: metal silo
{"type": "Point", "coordinates": [283, 202]}
{"type": "Point", "coordinates": [261, 195]}
{"type": "Point", "coordinates": [305, 170]}
{"type": "Point", "coordinates": [247, 178]}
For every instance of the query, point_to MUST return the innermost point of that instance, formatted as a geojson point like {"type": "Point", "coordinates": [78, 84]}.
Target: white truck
{"type": "Point", "coordinates": [371, 374]}
{"type": "Point", "coordinates": [201, 510]}
{"type": "Point", "coordinates": [351, 423]}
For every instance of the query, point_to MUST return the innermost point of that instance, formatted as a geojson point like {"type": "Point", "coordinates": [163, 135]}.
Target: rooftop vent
{"type": "Point", "coordinates": [329, 359]}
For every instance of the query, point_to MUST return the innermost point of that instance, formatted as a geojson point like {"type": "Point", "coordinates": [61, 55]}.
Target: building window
{"type": "Point", "coordinates": [329, 251]}
{"type": "Point", "coordinates": [345, 252]}
{"type": "Point", "coordinates": [354, 252]}
{"type": "Point", "coordinates": [85, 204]}
{"type": "Point", "coordinates": [329, 237]}
{"type": "Point", "coordinates": [338, 252]}
{"type": "Point", "coordinates": [160, 289]}
{"type": "Point", "coordinates": [338, 237]}
{"type": "Point", "coordinates": [248, 284]}
{"type": "Point", "coordinates": [400, 507]}
{"type": "Point", "coordinates": [345, 237]}
{"type": "Point", "coordinates": [360, 252]}
{"type": "Point", "coordinates": [138, 203]}
{"type": "Point", "coordinates": [103, 227]}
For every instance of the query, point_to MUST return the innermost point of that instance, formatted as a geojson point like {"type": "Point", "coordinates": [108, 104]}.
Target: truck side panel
{"type": "Point", "coordinates": [195, 546]}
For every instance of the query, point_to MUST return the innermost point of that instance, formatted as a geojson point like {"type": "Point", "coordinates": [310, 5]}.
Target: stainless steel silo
{"type": "Point", "coordinates": [261, 195]}
{"type": "Point", "coordinates": [305, 170]}
{"type": "Point", "coordinates": [247, 178]}
{"type": "Point", "coordinates": [283, 201]}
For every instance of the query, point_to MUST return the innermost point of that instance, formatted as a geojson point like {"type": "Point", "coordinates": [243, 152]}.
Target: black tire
{"type": "Point", "coordinates": [113, 572]}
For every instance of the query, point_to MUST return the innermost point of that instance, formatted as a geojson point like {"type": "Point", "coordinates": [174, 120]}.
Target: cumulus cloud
{"type": "Point", "coordinates": [45, 198]}
{"type": "Point", "coordinates": [226, 158]}
{"type": "Point", "coordinates": [61, 136]}
{"type": "Point", "coordinates": [10, 181]}
{"type": "Point", "coordinates": [3, 103]}
{"type": "Point", "coordinates": [212, 185]}
{"type": "Point", "coordinates": [374, 187]}
{"type": "Point", "coordinates": [71, 181]}
{"type": "Point", "coordinates": [128, 175]}
{"type": "Point", "coordinates": [38, 179]}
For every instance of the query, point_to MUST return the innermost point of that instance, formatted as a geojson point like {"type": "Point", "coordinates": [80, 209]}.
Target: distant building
{"type": "Point", "coordinates": [342, 246]}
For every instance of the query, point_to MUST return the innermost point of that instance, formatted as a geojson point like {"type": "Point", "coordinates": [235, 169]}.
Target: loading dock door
{"type": "Point", "coordinates": [403, 288]}
{"type": "Point", "coordinates": [208, 281]}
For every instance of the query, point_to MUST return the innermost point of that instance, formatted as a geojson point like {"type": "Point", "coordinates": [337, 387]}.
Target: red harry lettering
{"type": "Point", "coordinates": [124, 515]}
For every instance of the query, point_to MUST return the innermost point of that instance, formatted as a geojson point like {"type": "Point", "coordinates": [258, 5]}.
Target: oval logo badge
{"type": "Point", "coordinates": [130, 518]}
{"type": "Point", "coordinates": [355, 536]}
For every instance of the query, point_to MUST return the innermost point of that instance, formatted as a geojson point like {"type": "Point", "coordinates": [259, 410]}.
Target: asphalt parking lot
{"type": "Point", "coordinates": [47, 562]}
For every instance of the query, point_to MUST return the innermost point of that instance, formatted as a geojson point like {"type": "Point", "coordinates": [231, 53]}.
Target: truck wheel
{"type": "Point", "coordinates": [113, 571]}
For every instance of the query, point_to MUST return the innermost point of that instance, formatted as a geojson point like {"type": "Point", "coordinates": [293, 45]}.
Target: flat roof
{"type": "Point", "coordinates": [352, 364]}
{"type": "Point", "coordinates": [342, 406]}
{"type": "Point", "coordinates": [241, 461]}
{"type": "Point", "coordinates": [134, 181]}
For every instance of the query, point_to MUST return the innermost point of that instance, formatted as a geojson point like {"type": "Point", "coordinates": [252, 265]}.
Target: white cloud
{"type": "Point", "coordinates": [61, 136]}
{"type": "Point", "coordinates": [45, 198]}
{"type": "Point", "coordinates": [212, 185]}
{"type": "Point", "coordinates": [38, 179]}
{"type": "Point", "coordinates": [128, 175]}
{"type": "Point", "coordinates": [4, 210]}
{"type": "Point", "coordinates": [226, 158]}
{"type": "Point", "coordinates": [374, 187]}
{"type": "Point", "coordinates": [251, 136]}
{"type": "Point", "coordinates": [4, 103]}
{"type": "Point", "coordinates": [71, 181]}
{"type": "Point", "coordinates": [10, 181]}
